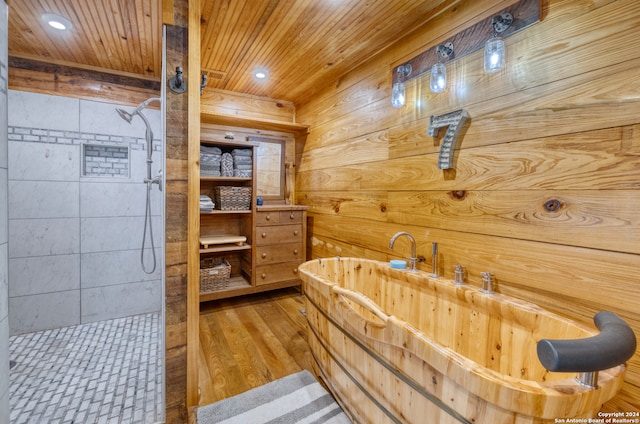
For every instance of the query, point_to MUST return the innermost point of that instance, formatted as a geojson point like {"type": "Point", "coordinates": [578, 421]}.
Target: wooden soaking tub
{"type": "Point", "coordinates": [400, 346]}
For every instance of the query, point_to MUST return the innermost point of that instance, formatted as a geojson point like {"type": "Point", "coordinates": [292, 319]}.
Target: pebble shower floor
{"type": "Point", "coordinates": [102, 372]}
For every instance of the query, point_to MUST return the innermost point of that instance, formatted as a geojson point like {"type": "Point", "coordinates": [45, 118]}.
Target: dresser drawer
{"type": "Point", "coordinates": [277, 234]}
{"type": "Point", "coordinates": [267, 274]}
{"type": "Point", "coordinates": [278, 217]}
{"type": "Point", "coordinates": [286, 252]}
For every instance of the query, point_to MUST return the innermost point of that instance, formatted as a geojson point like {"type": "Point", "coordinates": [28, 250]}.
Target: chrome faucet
{"type": "Point", "coordinates": [413, 260]}
{"type": "Point", "coordinates": [487, 282]}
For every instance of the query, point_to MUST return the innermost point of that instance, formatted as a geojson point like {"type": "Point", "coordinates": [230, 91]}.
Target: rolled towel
{"type": "Point", "coordinates": [226, 165]}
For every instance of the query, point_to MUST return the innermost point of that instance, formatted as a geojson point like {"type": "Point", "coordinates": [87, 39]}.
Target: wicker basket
{"type": "Point", "coordinates": [229, 198]}
{"type": "Point", "coordinates": [214, 274]}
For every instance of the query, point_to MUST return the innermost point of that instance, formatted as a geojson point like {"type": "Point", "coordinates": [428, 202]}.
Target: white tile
{"type": "Point", "coordinates": [4, 281]}
{"type": "Point", "coordinates": [3, 131]}
{"type": "Point", "coordinates": [4, 207]}
{"type": "Point", "coordinates": [138, 170]}
{"type": "Point", "coordinates": [118, 301]}
{"type": "Point", "coordinates": [33, 110]}
{"type": "Point", "coordinates": [4, 370]}
{"type": "Point", "coordinates": [119, 267]}
{"type": "Point", "coordinates": [43, 237]}
{"type": "Point", "coordinates": [44, 274]}
{"type": "Point", "coordinates": [44, 199]}
{"type": "Point", "coordinates": [44, 162]}
{"type": "Point", "coordinates": [115, 233]}
{"type": "Point", "coordinates": [102, 118]}
{"type": "Point", "coordinates": [113, 199]}
{"type": "Point", "coordinates": [44, 311]}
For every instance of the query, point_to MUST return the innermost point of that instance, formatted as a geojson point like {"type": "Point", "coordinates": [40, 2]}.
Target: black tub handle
{"type": "Point", "coordinates": [615, 344]}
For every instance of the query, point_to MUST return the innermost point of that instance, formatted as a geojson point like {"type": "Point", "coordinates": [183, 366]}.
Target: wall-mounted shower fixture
{"type": "Point", "coordinates": [149, 181]}
{"type": "Point", "coordinates": [203, 82]}
{"type": "Point", "coordinates": [177, 83]}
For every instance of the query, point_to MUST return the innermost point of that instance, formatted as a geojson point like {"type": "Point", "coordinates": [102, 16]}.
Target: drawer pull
{"type": "Point", "coordinates": [268, 217]}
{"type": "Point", "coordinates": [292, 216]}
{"type": "Point", "coordinates": [295, 271]}
{"type": "Point", "coordinates": [295, 251]}
{"type": "Point", "coordinates": [295, 233]}
{"type": "Point", "coordinates": [264, 235]}
{"type": "Point", "coordinates": [263, 276]}
{"type": "Point", "coordinates": [264, 255]}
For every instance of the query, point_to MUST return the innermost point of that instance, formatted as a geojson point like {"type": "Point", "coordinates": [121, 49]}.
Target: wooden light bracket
{"type": "Point", "coordinates": [523, 13]}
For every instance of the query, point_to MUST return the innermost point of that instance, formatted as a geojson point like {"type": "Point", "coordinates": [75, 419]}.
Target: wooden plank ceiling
{"type": "Point", "coordinates": [305, 44]}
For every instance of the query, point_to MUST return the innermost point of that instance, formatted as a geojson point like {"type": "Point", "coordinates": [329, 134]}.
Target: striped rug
{"type": "Point", "coordinates": [297, 398]}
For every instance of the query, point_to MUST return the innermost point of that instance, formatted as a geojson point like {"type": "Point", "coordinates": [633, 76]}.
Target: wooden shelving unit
{"type": "Point", "coordinates": [245, 265]}
{"type": "Point", "coordinates": [228, 225]}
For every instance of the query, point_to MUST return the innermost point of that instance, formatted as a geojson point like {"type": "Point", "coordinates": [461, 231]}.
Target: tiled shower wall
{"type": "Point", "coordinates": [4, 249]}
{"type": "Point", "coordinates": [74, 240]}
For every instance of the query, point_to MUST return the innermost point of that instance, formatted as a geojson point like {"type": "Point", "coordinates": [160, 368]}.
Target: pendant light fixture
{"type": "Point", "coordinates": [398, 94]}
{"type": "Point", "coordinates": [438, 79]}
{"type": "Point", "coordinates": [494, 50]}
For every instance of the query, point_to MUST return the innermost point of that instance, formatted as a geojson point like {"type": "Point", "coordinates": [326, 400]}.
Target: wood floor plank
{"type": "Point", "coordinates": [249, 341]}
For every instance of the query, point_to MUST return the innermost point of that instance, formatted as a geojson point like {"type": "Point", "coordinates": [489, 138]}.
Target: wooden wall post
{"type": "Point", "coordinates": [182, 125]}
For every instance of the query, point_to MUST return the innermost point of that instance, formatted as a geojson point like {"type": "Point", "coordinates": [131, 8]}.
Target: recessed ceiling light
{"type": "Point", "coordinates": [56, 21]}
{"type": "Point", "coordinates": [261, 74]}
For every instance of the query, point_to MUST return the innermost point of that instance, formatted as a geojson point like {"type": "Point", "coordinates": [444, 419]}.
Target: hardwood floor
{"type": "Point", "coordinates": [249, 341]}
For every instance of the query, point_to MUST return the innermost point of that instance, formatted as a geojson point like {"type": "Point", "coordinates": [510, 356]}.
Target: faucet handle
{"type": "Point", "coordinates": [487, 282]}
{"type": "Point", "coordinates": [458, 274]}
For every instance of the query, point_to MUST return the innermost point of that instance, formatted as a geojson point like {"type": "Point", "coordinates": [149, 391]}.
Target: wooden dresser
{"type": "Point", "coordinates": [280, 243]}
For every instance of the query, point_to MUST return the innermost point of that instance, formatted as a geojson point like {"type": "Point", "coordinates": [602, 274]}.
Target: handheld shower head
{"type": "Point", "coordinates": [129, 116]}
{"type": "Point", "coordinates": [125, 115]}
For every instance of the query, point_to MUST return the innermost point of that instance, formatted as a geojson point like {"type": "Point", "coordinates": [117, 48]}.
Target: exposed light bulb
{"type": "Point", "coordinates": [438, 80]}
{"type": "Point", "coordinates": [494, 55]}
{"type": "Point", "coordinates": [398, 95]}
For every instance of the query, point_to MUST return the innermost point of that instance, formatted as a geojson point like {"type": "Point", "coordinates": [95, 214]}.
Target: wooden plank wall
{"type": "Point", "coordinates": [561, 125]}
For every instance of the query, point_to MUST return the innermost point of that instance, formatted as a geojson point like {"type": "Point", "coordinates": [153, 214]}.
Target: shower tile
{"type": "Point", "coordinates": [44, 274]}
{"type": "Point", "coordinates": [139, 164]}
{"type": "Point", "coordinates": [114, 233]}
{"type": "Point", "coordinates": [3, 134]}
{"type": "Point", "coordinates": [44, 311]}
{"type": "Point", "coordinates": [4, 282]}
{"type": "Point", "coordinates": [102, 118]}
{"type": "Point", "coordinates": [44, 162]}
{"type": "Point", "coordinates": [4, 210]}
{"type": "Point", "coordinates": [119, 267]}
{"type": "Point", "coordinates": [43, 199]}
{"type": "Point", "coordinates": [43, 237]}
{"type": "Point", "coordinates": [43, 111]}
{"type": "Point", "coordinates": [4, 367]}
{"type": "Point", "coordinates": [111, 199]}
{"type": "Point", "coordinates": [117, 301]}
{"type": "Point", "coordinates": [82, 373]}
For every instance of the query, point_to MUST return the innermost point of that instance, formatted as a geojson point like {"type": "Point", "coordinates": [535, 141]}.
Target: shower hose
{"type": "Point", "coordinates": [147, 219]}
